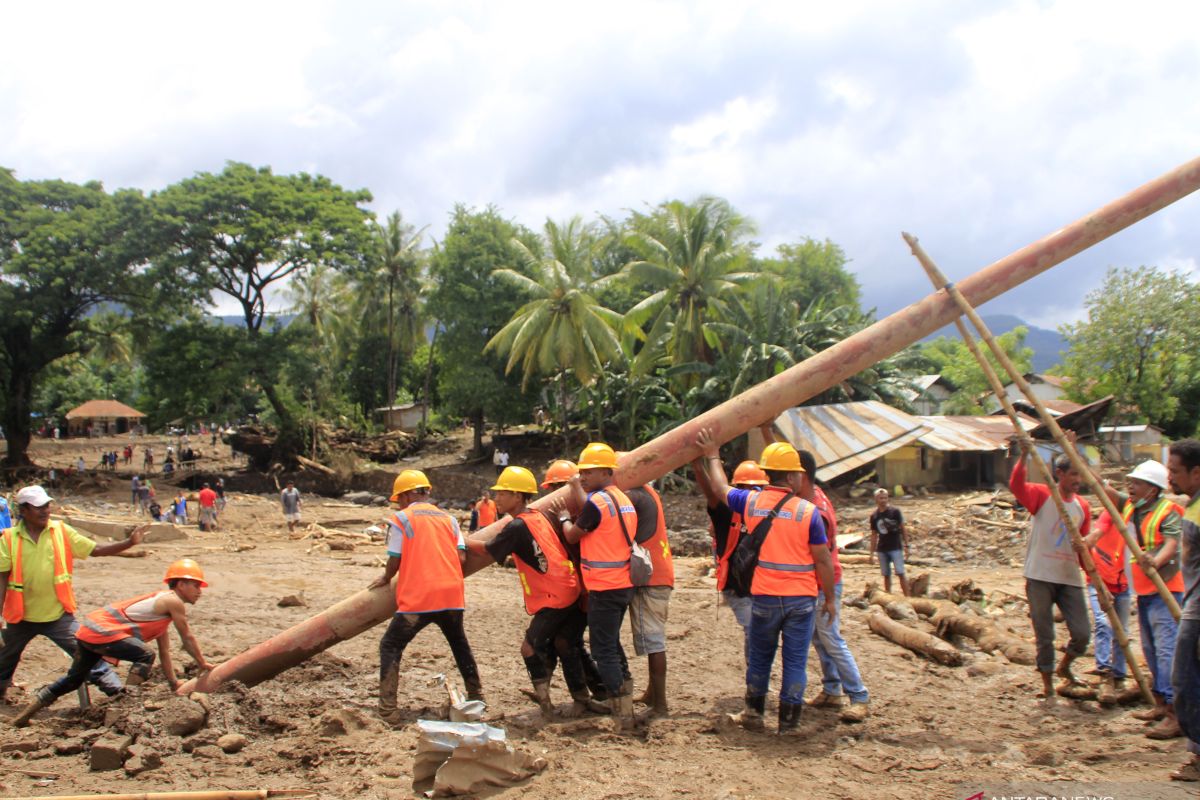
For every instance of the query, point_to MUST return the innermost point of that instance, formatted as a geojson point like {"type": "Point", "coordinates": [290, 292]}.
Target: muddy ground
{"type": "Point", "coordinates": [934, 731]}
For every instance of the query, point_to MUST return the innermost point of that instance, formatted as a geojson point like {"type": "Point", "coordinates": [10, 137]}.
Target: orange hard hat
{"type": "Point", "coordinates": [558, 472]}
{"type": "Point", "coordinates": [780, 457]}
{"type": "Point", "coordinates": [598, 455]}
{"type": "Point", "coordinates": [749, 474]}
{"type": "Point", "coordinates": [185, 568]}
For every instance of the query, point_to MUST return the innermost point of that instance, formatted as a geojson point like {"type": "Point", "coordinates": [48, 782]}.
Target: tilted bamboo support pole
{"type": "Point", "coordinates": [1051, 424]}
{"type": "Point", "coordinates": [1047, 475]}
{"type": "Point", "coordinates": [748, 410]}
{"type": "Point", "coordinates": [215, 794]}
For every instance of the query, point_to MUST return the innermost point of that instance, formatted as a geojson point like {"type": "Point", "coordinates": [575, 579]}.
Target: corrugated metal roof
{"type": "Point", "coordinates": [103, 408]}
{"type": "Point", "coordinates": [1127, 428]}
{"type": "Point", "coordinates": [842, 436]}
{"type": "Point", "coordinates": [973, 434]}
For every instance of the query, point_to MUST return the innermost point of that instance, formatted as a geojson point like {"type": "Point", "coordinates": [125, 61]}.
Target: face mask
{"type": "Point", "coordinates": [1139, 503]}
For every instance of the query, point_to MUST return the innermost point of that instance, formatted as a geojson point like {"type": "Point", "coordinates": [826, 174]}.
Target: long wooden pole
{"type": "Point", "coordinates": [1085, 555]}
{"type": "Point", "coordinates": [1051, 424]}
{"type": "Point", "coordinates": [748, 410]}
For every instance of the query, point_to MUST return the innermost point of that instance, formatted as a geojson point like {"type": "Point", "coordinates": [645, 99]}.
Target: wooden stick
{"type": "Point", "coordinates": [214, 794]}
{"type": "Point", "coordinates": [1085, 555]}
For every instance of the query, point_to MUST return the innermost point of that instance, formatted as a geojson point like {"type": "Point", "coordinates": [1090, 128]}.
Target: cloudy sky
{"type": "Point", "coordinates": [978, 126]}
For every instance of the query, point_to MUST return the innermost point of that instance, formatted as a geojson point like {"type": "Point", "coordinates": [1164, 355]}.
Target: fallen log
{"type": "Point", "coordinates": [319, 467]}
{"type": "Point", "coordinates": [925, 644]}
{"type": "Point", "coordinates": [988, 635]}
{"type": "Point", "coordinates": [923, 606]}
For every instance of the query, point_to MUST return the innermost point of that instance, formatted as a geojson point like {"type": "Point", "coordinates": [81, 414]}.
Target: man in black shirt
{"type": "Point", "coordinates": [888, 540]}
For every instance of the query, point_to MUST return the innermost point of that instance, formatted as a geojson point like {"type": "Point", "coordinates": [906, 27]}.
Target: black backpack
{"type": "Point", "coordinates": [744, 558]}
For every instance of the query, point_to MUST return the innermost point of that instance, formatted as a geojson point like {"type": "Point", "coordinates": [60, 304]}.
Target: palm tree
{"type": "Point", "coordinates": [693, 255]}
{"type": "Point", "coordinates": [562, 328]}
{"type": "Point", "coordinates": [398, 259]}
{"type": "Point", "coordinates": [320, 297]}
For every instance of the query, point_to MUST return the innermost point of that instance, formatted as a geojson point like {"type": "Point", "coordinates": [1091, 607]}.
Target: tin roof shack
{"type": "Point", "coordinates": [928, 393]}
{"type": "Point", "coordinates": [103, 418]}
{"type": "Point", "coordinates": [405, 417]}
{"type": "Point", "coordinates": [1133, 443]}
{"type": "Point", "coordinates": [956, 452]}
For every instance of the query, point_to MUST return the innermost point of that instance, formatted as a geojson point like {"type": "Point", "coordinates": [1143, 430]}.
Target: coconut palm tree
{"type": "Point", "coordinates": [692, 255]}
{"type": "Point", "coordinates": [563, 328]}
{"type": "Point", "coordinates": [398, 259]}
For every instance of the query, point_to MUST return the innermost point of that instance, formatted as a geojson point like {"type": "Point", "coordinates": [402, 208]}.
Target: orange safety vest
{"type": "Point", "coordinates": [558, 586]}
{"type": "Point", "coordinates": [485, 513]}
{"type": "Point", "coordinates": [64, 566]}
{"type": "Point", "coordinates": [829, 517]}
{"type": "Point", "coordinates": [431, 577]}
{"type": "Point", "coordinates": [659, 546]}
{"type": "Point", "coordinates": [111, 623]}
{"type": "Point", "coordinates": [1150, 539]}
{"type": "Point", "coordinates": [731, 540]}
{"type": "Point", "coordinates": [1109, 555]}
{"type": "Point", "coordinates": [785, 562]}
{"type": "Point", "coordinates": [604, 552]}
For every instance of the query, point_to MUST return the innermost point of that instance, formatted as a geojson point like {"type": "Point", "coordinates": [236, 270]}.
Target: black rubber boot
{"type": "Point", "coordinates": [751, 718]}
{"type": "Point", "coordinates": [789, 716]}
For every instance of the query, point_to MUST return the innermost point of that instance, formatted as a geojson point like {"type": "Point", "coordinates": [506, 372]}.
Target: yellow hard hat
{"type": "Point", "coordinates": [780, 457]}
{"type": "Point", "coordinates": [185, 569]}
{"type": "Point", "coordinates": [408, 480]}
{"type": "Point", "coordinates": [598, 455]}
{"type": "Point", "coordinates": [516, 479]}
{"type": "Point", "coordinates": [560, 471]}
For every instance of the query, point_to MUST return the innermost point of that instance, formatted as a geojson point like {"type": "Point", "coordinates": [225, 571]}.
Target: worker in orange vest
{"type": "Point", "coordinates": [549, 584]}
{"type": "Point", "coordinates": [483, 513]}
{"type": "Point", "coordinates": [427, 550]}
{"type": "Point", "coordinates": [793, 567]}
{"type": "Point", "coordinates": [123, 631]}
{"type": "Point", "coordinates": [1157, 522]}
{"type": "Point", "coordinates": [727, 529]}
{"type": "Point", "coordinates": [1109, 553]}
{"type": "Point", "coordinates": [649, 607]}
{"type": "Point", "coordinates": [604, 529]}
{"type": "Point", "coordinates": [37, 564]}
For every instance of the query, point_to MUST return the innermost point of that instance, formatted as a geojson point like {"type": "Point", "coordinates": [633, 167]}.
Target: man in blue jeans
{"type": "Point", "coordinates": [793, 567]}
{"type": "Point", "coordinates": [888, 540]}
{"type": "Point", "coordinates": [1183, 467]}
{"type": "Point", "coordinates": [840, 677]}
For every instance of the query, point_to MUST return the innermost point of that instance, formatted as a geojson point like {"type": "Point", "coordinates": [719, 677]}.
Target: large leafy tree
{"type": "Point", "coordinates": [242, 233]}
{"type": "Point", "coordinates": [1141, 343]}
{"type": "Point", "coordinates": [692, 255]}
{"type": "Point", "coordinates": [952, 359]}
{"type": "Point", "coordinates": [65, 249]}
{"type": "Point", "coordinates": [471, 305]}
{"type": "Point", "coordinates": [814, 273]}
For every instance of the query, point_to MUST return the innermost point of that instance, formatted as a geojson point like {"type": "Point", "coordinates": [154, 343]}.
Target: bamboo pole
{"type": "Point", "coordinates": [1085, 555]}
{"type": "Point", "coordinates": [214, 794]}
{"type": "Point", "coordinates": [1051, 424]}
{"type": "Point", "coordinates": [748, 410]}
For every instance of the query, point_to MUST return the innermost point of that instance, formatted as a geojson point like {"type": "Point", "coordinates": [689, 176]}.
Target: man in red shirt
{"type": "Point", "coordinates": [208, 509]}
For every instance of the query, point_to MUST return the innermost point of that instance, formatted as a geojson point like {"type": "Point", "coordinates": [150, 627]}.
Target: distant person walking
{"type": "Point", "coordinates": [208, 509]}
{"type": "Point", "coordinates": [888, 540]}
{"type": "Point", "coordinates": [289, 498]}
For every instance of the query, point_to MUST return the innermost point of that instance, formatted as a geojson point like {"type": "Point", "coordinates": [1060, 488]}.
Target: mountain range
{"type": "Point", "coordinates": [1049, 347]}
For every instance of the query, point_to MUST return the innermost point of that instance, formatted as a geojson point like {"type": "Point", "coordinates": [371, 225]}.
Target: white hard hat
{"type": "Point", "coordinates": [1151, 472]}
{"type": "Point", "coordinates": [34, 496]}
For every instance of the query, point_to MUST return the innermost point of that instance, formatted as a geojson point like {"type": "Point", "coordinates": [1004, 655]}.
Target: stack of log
{"type": "Point", "coordinates": [904, 620]}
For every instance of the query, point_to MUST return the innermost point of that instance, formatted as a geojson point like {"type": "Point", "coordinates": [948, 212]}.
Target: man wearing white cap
{"type": "Point", "coordinates": [1157, 523]}
{"type": "Point", "coordinates": [36, 573]}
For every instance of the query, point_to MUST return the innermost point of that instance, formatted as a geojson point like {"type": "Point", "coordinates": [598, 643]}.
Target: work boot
{"type": "Point", "coordinates": [584, 703]}
{"type": "Point", "coordinates": [475, 690]}
{"type": "Point", "coordinates": [855, 712]}
{"type": "Point", "coordinates": [751, 717]}
{"type": "Point", "coordinates": [1168, 728]}
{"type": "Point", "coordinates": [41, 700]}
{"type": "Point", "coordinates": [388, 685]}
{"type": "Point", "coordinates": [1152, 714]}
{"type": "Point", "coordinates": [622, 711]}
{"type": "Point", "coordinates": [1107, 695]}
{"type": "Point", "coordinates": [789, 716]}
{"type": "Point", "coordinates": [1188, 772]}
{"type": "Point", "coordinates": [541, 696]}
{"type": "Point", "coordinates": [826, 700]}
